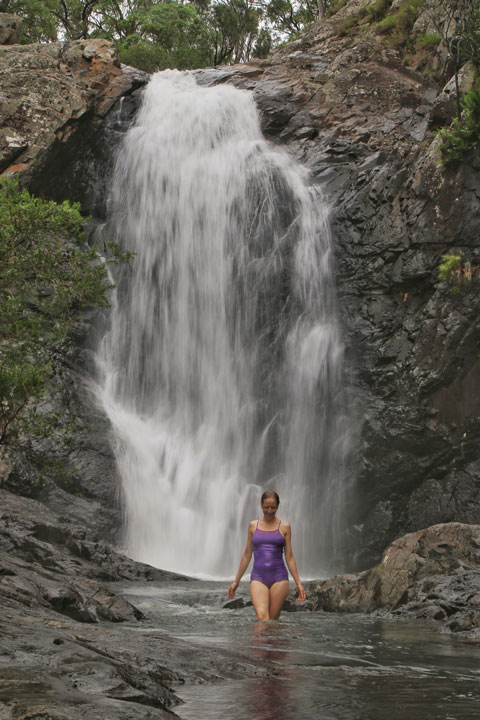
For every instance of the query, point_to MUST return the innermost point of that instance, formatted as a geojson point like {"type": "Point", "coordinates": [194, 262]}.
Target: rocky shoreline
{"type": "Point", "coordinates": [63, 650]}
{"type": "Point", "coordinates": [65, 655]}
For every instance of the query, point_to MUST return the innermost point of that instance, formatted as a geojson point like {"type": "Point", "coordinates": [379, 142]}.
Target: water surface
{"type": "Point", "coordinates": [329, 667]}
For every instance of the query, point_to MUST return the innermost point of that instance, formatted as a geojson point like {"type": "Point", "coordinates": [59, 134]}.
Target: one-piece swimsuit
{"type": "Point", "coordinates": [268, 566]}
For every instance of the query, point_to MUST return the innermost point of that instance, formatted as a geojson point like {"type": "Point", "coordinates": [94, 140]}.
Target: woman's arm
{"type": "Point", "coordinates": [246, 557]}
{"type": "Point", "coordinates": [290, 560]}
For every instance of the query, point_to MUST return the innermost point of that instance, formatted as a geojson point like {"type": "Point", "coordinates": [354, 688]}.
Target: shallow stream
{"type": "Point", "coordinates": [329, 667]}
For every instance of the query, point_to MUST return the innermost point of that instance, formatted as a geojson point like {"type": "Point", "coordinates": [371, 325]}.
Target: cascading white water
{"type": "Point", "coordinates": [222, 368]}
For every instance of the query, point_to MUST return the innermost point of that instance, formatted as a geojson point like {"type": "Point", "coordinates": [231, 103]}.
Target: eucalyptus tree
{"type": "Point", "coordinates": [289, 17]}
{"type": "Point", "coordinates": [164, 35]}
{"type": "Point", "coordinates": [156, 34]}
{"type": "Point", "coordinates": [235, 26]}
{"type": "Point", "coordinates": [458, 22]}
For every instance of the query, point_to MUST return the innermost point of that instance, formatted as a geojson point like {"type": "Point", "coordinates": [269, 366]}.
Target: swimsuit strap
{"type": "Point", "coordinates": [277, 530]}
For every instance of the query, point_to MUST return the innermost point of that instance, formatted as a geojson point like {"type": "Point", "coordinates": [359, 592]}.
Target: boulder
{"type": "Point", "coordinates": [57, 90]}
{"type": "Point", "coordinates": [432, 573]}
{"type": "Point", "coordinates": [236, 604]}
{"type": "Point", "coordinates": [10, 29]}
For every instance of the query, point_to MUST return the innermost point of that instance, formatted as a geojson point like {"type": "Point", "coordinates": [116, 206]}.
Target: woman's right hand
{"type": "Point", "coordinates": [231, 590]}
{"type": "Point", "coordinates": [300, 592]}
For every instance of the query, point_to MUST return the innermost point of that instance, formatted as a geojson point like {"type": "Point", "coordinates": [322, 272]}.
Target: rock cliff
{"type": "Point", "coordinates": [58, 130]}
{"type": "Point", "coordinates": [350, 108]}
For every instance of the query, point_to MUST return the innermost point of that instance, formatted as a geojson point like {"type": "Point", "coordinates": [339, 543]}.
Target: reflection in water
{"type": "Point", "coordinates": [269, 641]}
{"type": "Point", "coordinates": [267, 698]}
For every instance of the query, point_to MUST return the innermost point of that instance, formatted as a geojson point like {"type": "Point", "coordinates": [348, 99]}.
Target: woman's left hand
{"type": "Point", "coordinates": [300, 592]}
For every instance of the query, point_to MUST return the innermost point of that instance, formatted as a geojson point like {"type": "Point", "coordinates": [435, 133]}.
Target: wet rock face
{"type": "Point", "coordinates": [432, 574]}
{"type": "Point", "coordinates": [42, 537]}
{"type": "Point", "coordinates": [62, 112]}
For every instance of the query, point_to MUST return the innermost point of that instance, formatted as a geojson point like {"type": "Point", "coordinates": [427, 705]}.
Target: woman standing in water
{"type": "Point", "coordinates": [267, 539]}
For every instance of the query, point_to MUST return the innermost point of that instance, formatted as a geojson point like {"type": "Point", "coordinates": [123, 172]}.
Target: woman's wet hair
{"type": "Point", "coordinates": [270, 494]}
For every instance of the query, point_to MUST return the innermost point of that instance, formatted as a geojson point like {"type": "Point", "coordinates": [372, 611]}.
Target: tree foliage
{"type": "Point", "coordinates": [288, 17]}
{"type": "Point", "coordinates": [234, 30]}
{"type": "Point", "coordinates": [456, 271]}
{"type": "Point", "coordinates": [156, 34]}
{"type": "Point", "coordinates": [168, 35]}
{"type": "Point", "coordinates": [47, 276]}
{"type": "Point", "coordinates": [463, 135]}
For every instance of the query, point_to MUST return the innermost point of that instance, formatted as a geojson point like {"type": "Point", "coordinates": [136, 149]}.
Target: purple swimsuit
{"type": "Point", "coordinates": [268, 565]}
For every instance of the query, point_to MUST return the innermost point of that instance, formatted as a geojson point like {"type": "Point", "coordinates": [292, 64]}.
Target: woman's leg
{"type": "Point", "coordinates": [278, 593]}
{"type": "Point", "coordinates": [260, 598]}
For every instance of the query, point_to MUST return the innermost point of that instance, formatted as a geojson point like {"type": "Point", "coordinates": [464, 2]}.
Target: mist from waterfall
{"type": "Point", "coordinates": [222, 368]}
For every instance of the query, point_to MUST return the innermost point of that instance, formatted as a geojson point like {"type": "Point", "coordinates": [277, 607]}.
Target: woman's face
{"type": "Point", "coordinates": [269, 507]}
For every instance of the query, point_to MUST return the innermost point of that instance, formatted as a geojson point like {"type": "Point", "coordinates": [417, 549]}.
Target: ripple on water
{"type": "Point", "coordinates": [328, 667]}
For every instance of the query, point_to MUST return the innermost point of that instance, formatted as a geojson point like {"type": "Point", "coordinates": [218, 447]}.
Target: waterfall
{"type": "Point", "coordinates": [221, 370]}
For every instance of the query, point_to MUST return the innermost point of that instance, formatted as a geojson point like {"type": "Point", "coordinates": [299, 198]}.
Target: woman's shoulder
{"type": "Point", "coordinates": [285, 526]}
{"type": "Point", "coordinates": [252, 524]}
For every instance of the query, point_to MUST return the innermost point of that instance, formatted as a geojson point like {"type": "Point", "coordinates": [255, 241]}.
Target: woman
{"type": "Point", "coordinates": [268, 539]}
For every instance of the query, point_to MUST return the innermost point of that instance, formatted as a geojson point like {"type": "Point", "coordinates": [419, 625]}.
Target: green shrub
{"type": "Point", "coordinates": [346, 24]}
{"type": "Point", "coordinates": [450, 266]}
{"type": "Point", "coordinates": [369, 13]}
{"type": "Point", "coordinates": [145, 55]}
{"type": "Point", "coordinates": [47, 276]}
{"type": "Point", "coordinates": [407, 13]}
{"type": "Point", "coordinates": [457, 273]}
{"type": "Point", "coordinates": [376, 11]}
{"type": "Point", "coordinates": [427, 41]}
{"type": "Point", "coordinates": [463, 135]}
{"type": "Point", "coordinates": [399, 23]}
{"type": "Point", "coordinates": [335, 6]}
{"type": "Point", "coordinates": [386, 25]}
